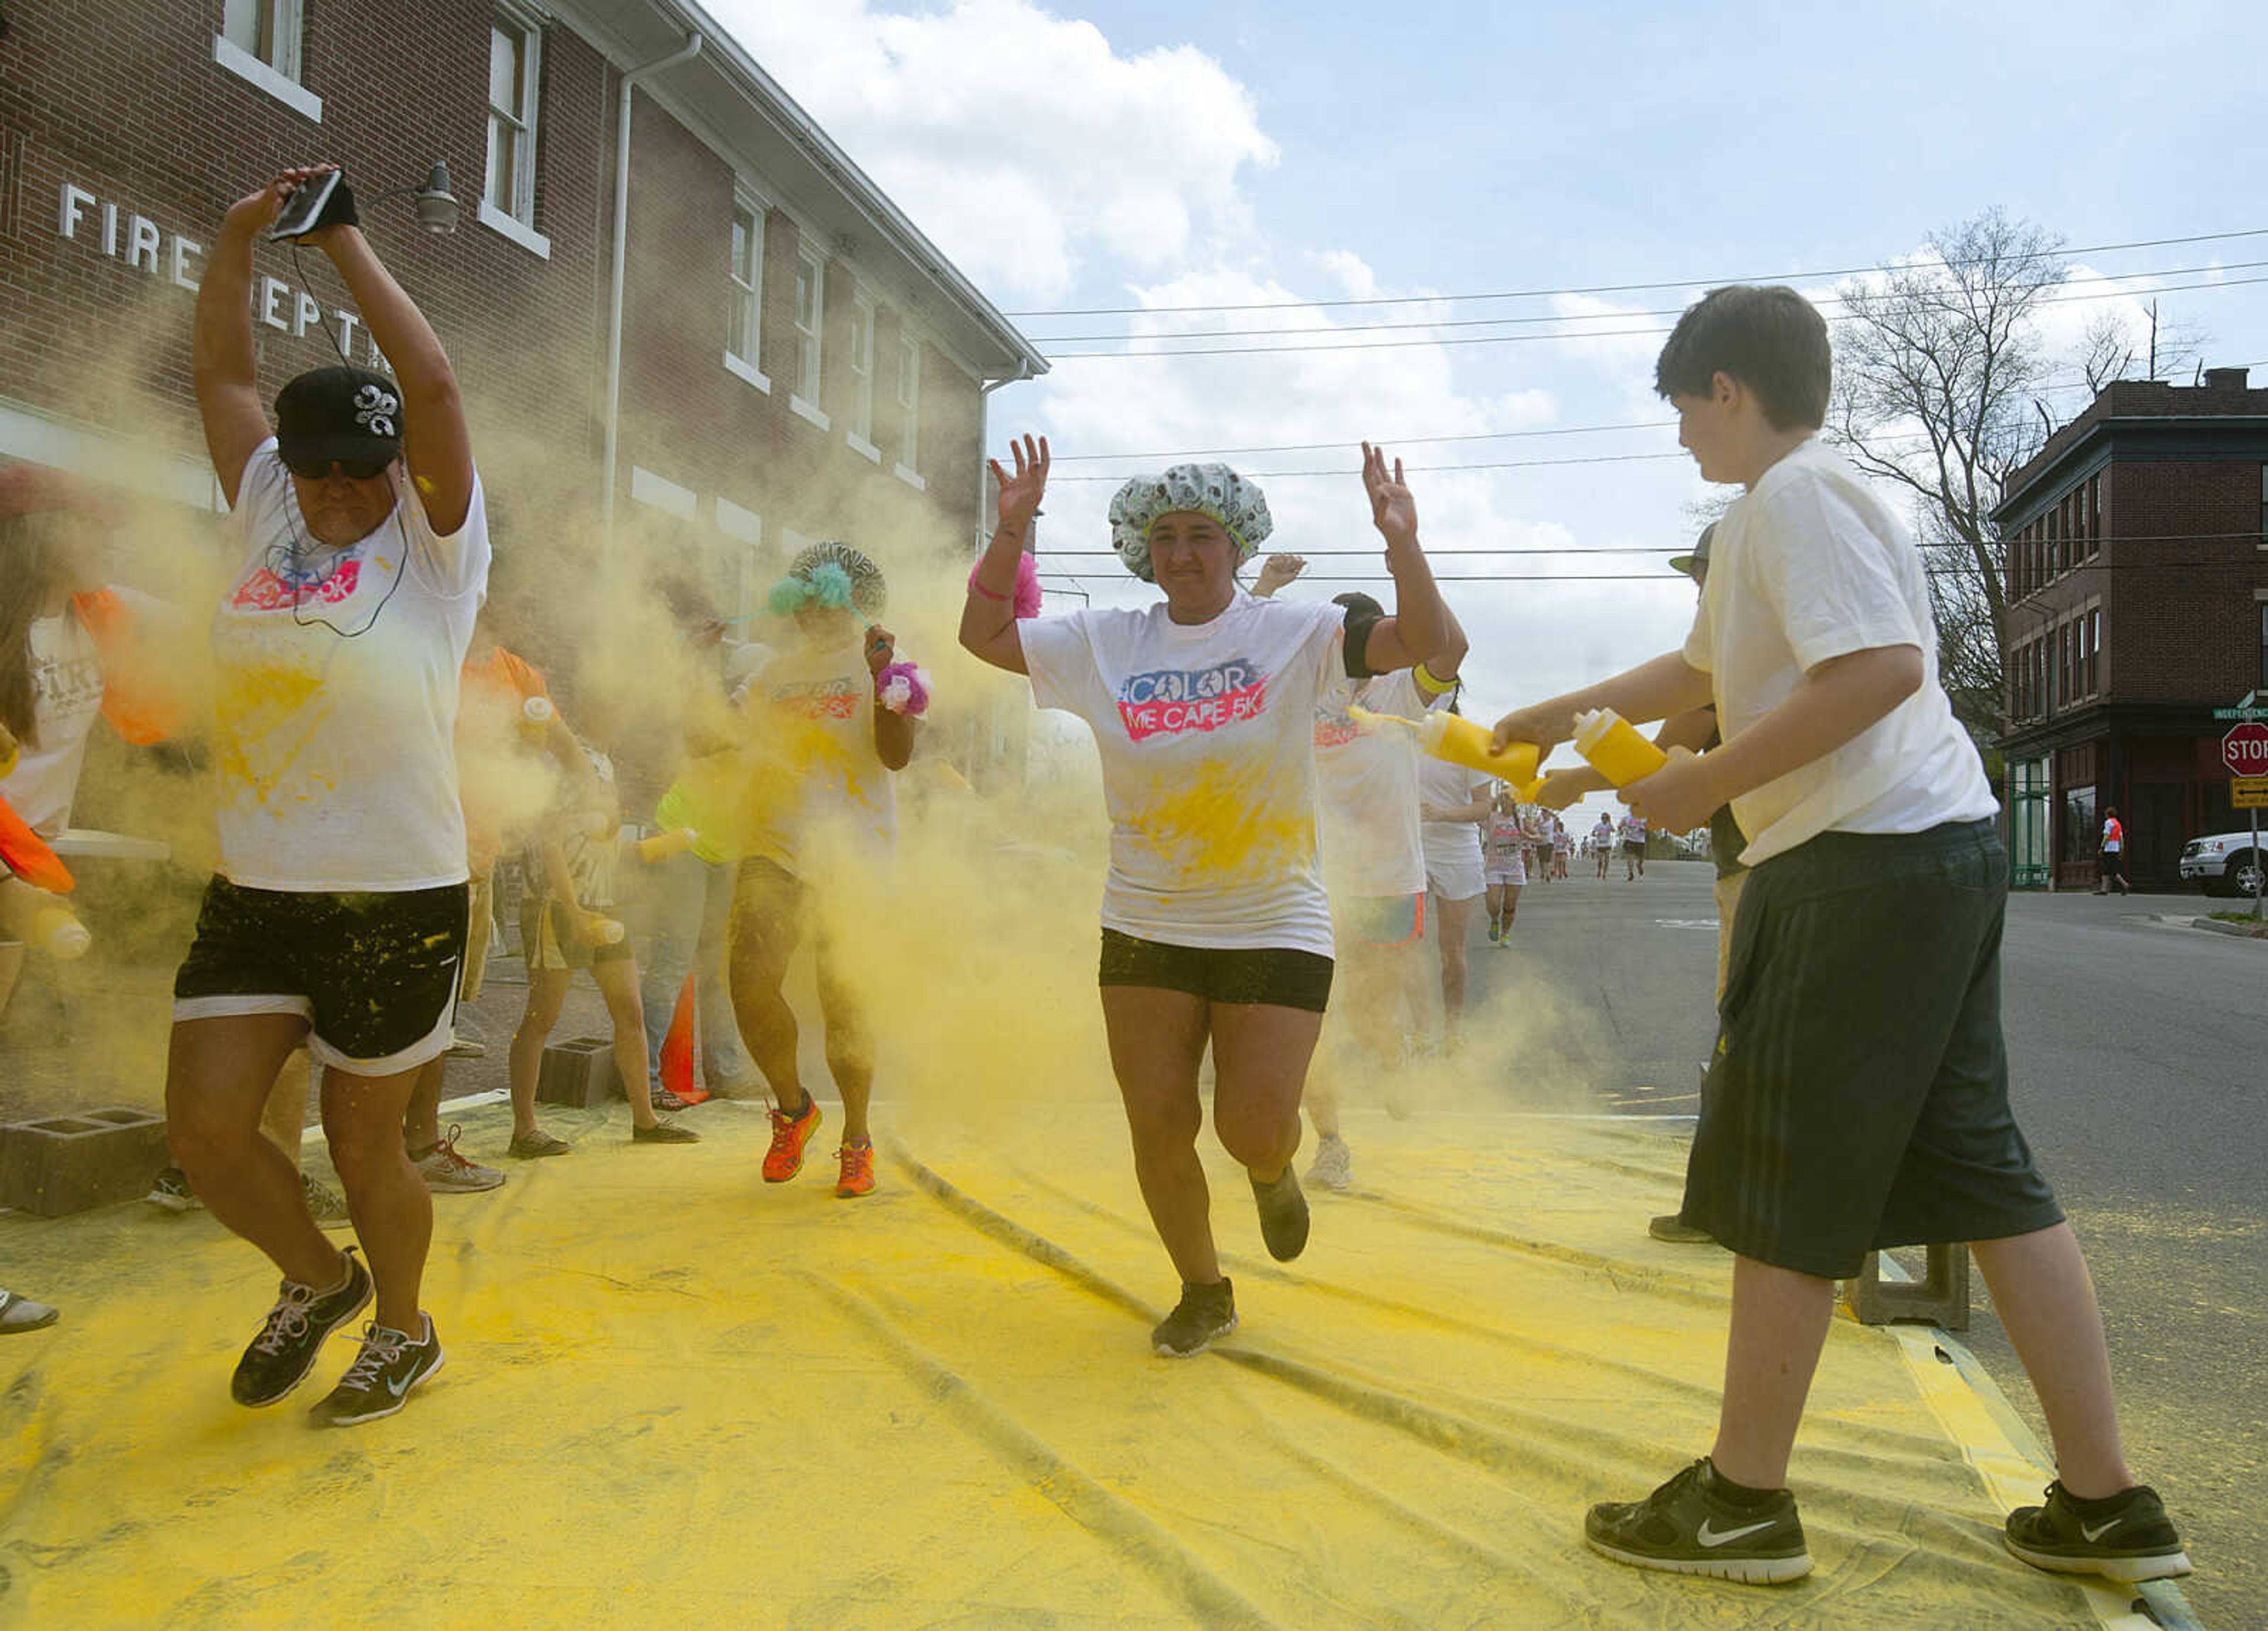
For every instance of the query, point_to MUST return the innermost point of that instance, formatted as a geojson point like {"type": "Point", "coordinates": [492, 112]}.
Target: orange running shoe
{"type": "Point", "coordinates": [790, 1134]}
{"type": "Point", "coordinates": [857, 1168]}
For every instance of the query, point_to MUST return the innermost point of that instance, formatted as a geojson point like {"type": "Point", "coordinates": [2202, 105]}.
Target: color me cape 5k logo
{"type": "Point", "coordinates": [1170, 700]}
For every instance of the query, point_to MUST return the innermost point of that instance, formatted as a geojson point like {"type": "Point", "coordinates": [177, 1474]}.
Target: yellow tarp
{"type": "Point", "coordinates": [676, 1395]}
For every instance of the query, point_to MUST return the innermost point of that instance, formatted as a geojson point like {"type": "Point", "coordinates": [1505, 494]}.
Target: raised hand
{"type": "Point", "coordinates": [1391, 509]}
{"type": "Point", "coordinates": [881, 647]}
{"type": "Point", "coordinates": [1020, 493]}
{"type": "Point", "coordinates": [1277, 572]}
{"type": "Point", "coordinates": [256, 212]}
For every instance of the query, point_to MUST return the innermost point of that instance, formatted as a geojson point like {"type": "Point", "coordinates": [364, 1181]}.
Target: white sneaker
{"type": "Point", "coordinates": [1333, 1165]}
{"type": "Point", "coordinates": [446, 1172]}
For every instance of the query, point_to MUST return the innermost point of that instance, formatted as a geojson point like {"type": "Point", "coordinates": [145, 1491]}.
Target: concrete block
{"type": "Point", "coordinates": [579, 1072]}
{"type": "Point", "coordinates": [58, 1164]}
{"type": "Point", "coordinates": [1939, 1297]}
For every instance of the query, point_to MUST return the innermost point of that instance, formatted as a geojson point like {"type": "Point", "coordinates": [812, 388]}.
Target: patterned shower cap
{"type": "Point", "coordinates": [1215, 490]}
{"type": "Point", "coordinates": [831, 575]}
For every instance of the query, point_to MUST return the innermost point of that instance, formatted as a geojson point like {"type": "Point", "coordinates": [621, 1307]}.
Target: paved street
{"type": "Point", "coordinates": [2139, 1078]}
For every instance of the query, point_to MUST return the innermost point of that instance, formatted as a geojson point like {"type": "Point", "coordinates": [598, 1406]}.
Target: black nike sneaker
{"type": "Point", "coordinates": [1204, 1313]}
{"type": "Point", "coordinates": [293, 1334]}
{"type": "Point", "coordinates": [2121, 1537]}
{"type": "Point", "coordinates": [1687, 1527]}
{"type": "Point", "coordinates": [389, 1365]}
{"type": "Point", "coordinates": [1283, 1214]}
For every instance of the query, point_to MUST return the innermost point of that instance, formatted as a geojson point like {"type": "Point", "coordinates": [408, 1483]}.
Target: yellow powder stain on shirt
{"type": "Point", "coordinates": [1213, 826]}
{"type": "Point", "coordinates": [262, 723]}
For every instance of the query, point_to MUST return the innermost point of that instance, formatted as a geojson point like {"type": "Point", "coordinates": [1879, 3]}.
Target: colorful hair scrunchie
{"type": "Point", "coordinates": [903, 688]}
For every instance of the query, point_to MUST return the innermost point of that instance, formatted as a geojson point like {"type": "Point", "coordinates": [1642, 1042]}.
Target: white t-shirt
{"type": "Point", "coordinates": [335, 694]}
{"type": "Point", "coordinates": [1446, 786]}
{"type": "Point", "coordinates": [66, 698]}
{"type": "Point", "coordinates": [1206, 732]}
{"type": "Point", "coordinates": [1808, 566]}
{"type": "Point", "coordinates": [1372, 845]}
{"type": "Point", "coordinates": [814, 710]}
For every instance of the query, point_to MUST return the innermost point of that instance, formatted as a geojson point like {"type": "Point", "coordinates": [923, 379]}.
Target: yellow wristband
{"type": "Point", "coordinates": [1429, 683]}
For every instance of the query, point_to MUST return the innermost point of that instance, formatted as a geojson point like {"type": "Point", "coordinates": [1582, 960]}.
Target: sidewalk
{"type": "Point", "coordinates": [674, 1393]}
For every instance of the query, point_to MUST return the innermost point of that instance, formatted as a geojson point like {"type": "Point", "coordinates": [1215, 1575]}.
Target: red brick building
{"type": "Point", "coordinates": [796, 359]}
{"type": "Point", "coordinates": [2137, 574]}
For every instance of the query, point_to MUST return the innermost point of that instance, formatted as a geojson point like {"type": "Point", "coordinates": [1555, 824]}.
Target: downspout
{"type": "Point", "coordinates": [685, 53]}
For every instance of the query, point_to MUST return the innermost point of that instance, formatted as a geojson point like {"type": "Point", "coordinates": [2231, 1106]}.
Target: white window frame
{"type": "Point", "coordinates": [860, 361]}
{"type": "Point", "coordinates": [517, 221]}
{"type": "Point", "coordinates": [810, 341]}
{"type": "Point", "coordinates": [748, 298]}
{"type": "Point", "coordinates": [907, 464]}
{"type": "Point", "coordinates": [277, 69]}
{"type": "Point", "coordinates": [744, 528]}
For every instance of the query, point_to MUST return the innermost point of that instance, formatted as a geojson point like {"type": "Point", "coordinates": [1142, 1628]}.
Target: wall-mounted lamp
{"type": "Point", "coordinates": [436, 207]}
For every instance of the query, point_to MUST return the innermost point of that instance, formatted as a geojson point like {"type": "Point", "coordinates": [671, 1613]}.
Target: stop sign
{"type": "Point", "coordinates": [2244, 750]}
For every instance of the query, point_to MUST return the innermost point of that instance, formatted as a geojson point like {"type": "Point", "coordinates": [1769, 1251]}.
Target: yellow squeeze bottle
{"type": "Point", "coordinates": [1614, 747]}
{"type": "Point", "coordinates": [1460, 741]}
{"type": "Point", "coordinates": [58, 933]}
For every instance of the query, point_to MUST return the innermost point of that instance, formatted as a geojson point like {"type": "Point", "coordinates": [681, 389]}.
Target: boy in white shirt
{"type": "Point", "coordinates": [1847, 1110]}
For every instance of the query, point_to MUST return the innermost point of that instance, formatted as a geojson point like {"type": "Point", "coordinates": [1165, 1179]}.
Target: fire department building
{"type": "Point", "coordinates": [708, 290]}
{"type": "Point", "coordinates": [2137, 581]}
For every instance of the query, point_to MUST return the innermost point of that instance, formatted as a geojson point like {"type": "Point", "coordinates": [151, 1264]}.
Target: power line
{"type": "Point", "coordinates": [1660, 549]}
{"type": "Point", "coordinates": [1619, 288]}
{"type": "Point", "coordinates": [1667, 576]}
{"type": "Point", "coordinates": [1541, 316]}
{"type": "Point", "coordinates": [1595, 333]}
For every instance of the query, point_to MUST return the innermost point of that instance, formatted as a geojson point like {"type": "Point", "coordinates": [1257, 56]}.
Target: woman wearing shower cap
{"type": "Point", "coordinates": [835, 713]}
{"type": "Point", "coordinates": [1215, 926]}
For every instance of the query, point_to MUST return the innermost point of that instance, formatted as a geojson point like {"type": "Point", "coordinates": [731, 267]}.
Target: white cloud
{"type": "Point", "coordinates": [1022, 143]}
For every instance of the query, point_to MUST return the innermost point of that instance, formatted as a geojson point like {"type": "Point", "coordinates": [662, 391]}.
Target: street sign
{"type": "Point", "coordinates": [2248, 792]}
{"type": "Point", "coordinates": [2221, 715]}
{"type": "Point", "coordinates": [2244, 750]}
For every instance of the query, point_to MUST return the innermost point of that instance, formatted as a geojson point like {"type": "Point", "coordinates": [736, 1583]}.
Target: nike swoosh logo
{"type": "Point", "coordinates": [2098, 1530]}
{"type": "Point", "coordinates": [1710, 1537]}
{"type": "Point", "coordinates": [398, 1388]}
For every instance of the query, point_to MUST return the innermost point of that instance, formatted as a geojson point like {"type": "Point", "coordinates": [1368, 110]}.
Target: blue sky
{"type": "Point", "coordinates": [1121, 154]}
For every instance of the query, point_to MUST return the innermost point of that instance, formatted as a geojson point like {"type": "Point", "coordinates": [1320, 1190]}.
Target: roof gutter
{"type": "Point", "coordinates": [685, 53]}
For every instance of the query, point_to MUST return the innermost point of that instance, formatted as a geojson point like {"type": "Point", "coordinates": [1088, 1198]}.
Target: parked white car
{"type": "Point", "coordinates": [2225, 863]}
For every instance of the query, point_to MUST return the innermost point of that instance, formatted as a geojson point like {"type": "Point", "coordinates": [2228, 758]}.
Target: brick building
{"type": "Point", "coordinates": [2137, 577]}
{"type": "Point", "coordinates": [796, 359]}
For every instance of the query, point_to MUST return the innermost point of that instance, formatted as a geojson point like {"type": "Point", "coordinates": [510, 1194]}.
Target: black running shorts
{"type": "Point", "coordinates": [1860, 1094]}
{"type": "Point", "coordinates": [1276, 976]}
{"type": "Point", "coordinates": [374, 975]}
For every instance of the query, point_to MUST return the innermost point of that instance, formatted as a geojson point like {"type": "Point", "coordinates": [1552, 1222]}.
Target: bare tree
{"type": "Point", "coordinates": [1939, 369]}
{"type": "Point", "coordinates": [2106, 350]}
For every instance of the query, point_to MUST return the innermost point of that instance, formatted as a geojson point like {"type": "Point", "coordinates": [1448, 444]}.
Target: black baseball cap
{"type": "Point", "coordinates": [342, 413]}
{"type": "Point", "coordinates": [1700, 556]}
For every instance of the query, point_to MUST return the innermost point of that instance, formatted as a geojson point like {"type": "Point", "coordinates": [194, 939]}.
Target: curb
{"type": "Point", "coordinates": [2234, 931]}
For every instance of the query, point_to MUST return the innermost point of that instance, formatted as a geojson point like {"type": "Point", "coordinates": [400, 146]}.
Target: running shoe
{"type": "Point", "coordinates": [1204, 1314]}
{"type": "Point", "coordinates": [389, 1365]}
{"type": "Point", "coordinates": [663, 1133]}
{"type": "Point", "coordinates": [857, 1177]}
{"type": "Point", "coordinates": [1496, 935]}
{"type": "Point", "coordinates": [1674, 1228]}
{"type": "Point", "coordinates": [1283, 1214]}
{"type": "Point", "coordinates": [1333, 1167]}
{"type": "Point", "coordinates": [534, 1146]}
{"type": "Point", "coordinates": [2125, 1537]}
{"type": "Point", "coordinates": [171, 1190]}
{"type": "Point", "coordinates": [1687, 1527]}
{"type": "Point", "coordinates": [446, 1172]}
{"type": "Point", "coordinates": [293, 1334]}
{"type": "Point", "coordinates": [664, 1100]}
{"type": "Point", "coordinates": [326, 1205]}
{"type": "Point", "coordinates": [20, 1313]}
{"type": "Point", "coordinates": [790, 1134]}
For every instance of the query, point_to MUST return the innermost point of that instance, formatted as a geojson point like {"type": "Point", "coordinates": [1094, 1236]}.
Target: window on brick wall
{"type": "Point", "coordinates": [810, 303]}
{"type": "Point", "coordinates": [2095, 651]}
{"type": "Point", "coordinates": [515, 70]}
{"type": "Point", "coordinates": [744, 329]}
{"type": "Point", "coordinates": [858, 348]}
{"type": "Point", "coordinates": [2264, 505]}
{"type": "Point", "coordinates": [2093, 514]}
{"type": "Point", "coordinates": [268, 30]}
{"type": "Point", "coordinates": [909, 356]}
{"type": "Point", "coordinates": [2264, 645]}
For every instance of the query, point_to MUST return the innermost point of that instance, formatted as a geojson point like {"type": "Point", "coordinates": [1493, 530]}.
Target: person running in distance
{"type": "Point", "coordinates": [1633, 836]}
{"type": "Point", "coordinates": [1859, 1096]}
{"type": "Point", "coordinates": [1603, 839]}
{"type": "Point", "coordinates": [338, 917]}
{"type": "Point", "coordinates": [1453, 803]}
{"type": "Point", "coordinates": [1373, 865]}
{"type": "Point", "coordinates": [1504, 865]}
{"type": "Point", "coordinates": [834, 716]}
{"type": "Point", "coordinates": [1215, 923]}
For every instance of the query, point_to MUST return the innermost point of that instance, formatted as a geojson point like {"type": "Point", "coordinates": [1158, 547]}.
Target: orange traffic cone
{"type": "Point", "coordinates": [677, 1049]}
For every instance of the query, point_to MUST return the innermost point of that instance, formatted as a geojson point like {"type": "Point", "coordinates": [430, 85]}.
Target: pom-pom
{"type": "Point", "coordinates": [787, 597]}
{"type": "Point", "coordinates": [902, 688]}
{"type": "Point", "coordinates": [830, 586]}
{"type": "Point", "coordinates": [1028, 585]}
